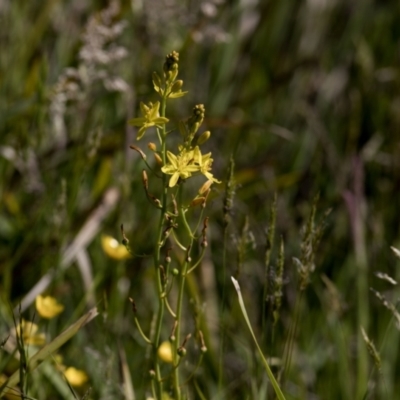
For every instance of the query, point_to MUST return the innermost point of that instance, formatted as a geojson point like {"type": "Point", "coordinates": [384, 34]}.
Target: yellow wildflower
{"type": "Point", "coordinates": [75, 377]}
{"type": "Point", "coordinates": [180, 166]}
{"type": "Point", "coordinates": [48, 307]}
{"type": "Point", "coordinates": [29, 335]}
{"type": "Point", "coordinates": [205, 162]}
{"type": "Point", "coordinates": [113, 248]}
{"type": "Point", "coordinates": [165, 352]}
{"type": "Point", "coordinates": [151, 117]}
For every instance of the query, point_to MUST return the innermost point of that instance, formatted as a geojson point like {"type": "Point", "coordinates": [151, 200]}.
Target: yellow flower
{"type": "Point", "coordinates": [113, 248]}
{"type": "Point", "coordinates": [165, 352]}
{"type": "Point", "coordinates": [205, 162]}
{"type": "Point", "coordinates": [48, 307]}
{"type": "Point", "coordinates": [75, 377]}
{"type": "Point", "coordinates": [180, 166]}
{"type": "Point", "coordinates": [151, 117]}
{"type": "Point", "coordinates": [29, 335]}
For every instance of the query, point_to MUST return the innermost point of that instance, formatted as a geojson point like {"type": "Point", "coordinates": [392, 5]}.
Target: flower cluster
{"type": "Point", "coordinates": [189, 160]}
{"type": "Point", "coordinates": [186, 163]}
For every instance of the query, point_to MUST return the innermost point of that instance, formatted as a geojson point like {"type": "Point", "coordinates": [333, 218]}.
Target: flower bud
{"type": "Point", "coordinates": [197, 201]}
{"type": "Point", "coordinates": [171, 66]}
{"type": "Point", "coordinates": [196, 119]}
{"type": "Point", "coordinates": [158, 159]}
{"type": "Point", "coordinates": [182, 352]}
{"type": "Point", "coordinates": [145, 179]}
{"type": "Point", "coordinates": [157, 83]}
{"type": "Point", "coordinates": [203, 137]}
{"type": "Point", "coordinates": [152, 146]}
{"type": "Point", "coordinates": [205, 187]}
{"type": "Point", "coordinates": [177, 86]}
{"type": "Point", "coordinates": [164, 352]}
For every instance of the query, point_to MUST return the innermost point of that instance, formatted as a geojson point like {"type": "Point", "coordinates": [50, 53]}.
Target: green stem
{"type": "Point", "coordinates": [157, 249]}
{"type": "Point", "coordinates": [222, 327]}
{"type": "Point", "coordinates": [183, 275]}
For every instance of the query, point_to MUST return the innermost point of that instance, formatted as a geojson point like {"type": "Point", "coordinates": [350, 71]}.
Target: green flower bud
{"type": "Point", "coordinates": [182, 351]}
{"type": "Point", "coordinates": [203, 137]}
{"type": "Point", "coordinates": [196, 119]}
{"type": "Point", "coordinates": [177, 86]}
{"type": "Point", "coordinates": [171, 66]}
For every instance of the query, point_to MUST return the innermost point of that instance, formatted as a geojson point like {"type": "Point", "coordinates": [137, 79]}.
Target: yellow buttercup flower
{"type": "Point", "coordinates": [165, 352]}
{"type": "Point", "coordinates": [48, 307]}
{"type": "Point", "coordinates": [75, 377]}
{"type": "Point", "coordinates": [113, 248]}
{"type": "Point", "coordinates": [29, 335]}
{"type": "Point", "coordinates": [151, 117]}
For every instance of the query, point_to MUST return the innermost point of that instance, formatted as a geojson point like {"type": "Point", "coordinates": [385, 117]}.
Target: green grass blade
{"type": "Point", "coordinates": [267, 368]}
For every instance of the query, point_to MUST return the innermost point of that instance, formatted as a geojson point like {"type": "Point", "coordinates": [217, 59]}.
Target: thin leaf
{"type": "Point", "coordinates": [50, 348]}
{"type": "Point", "coordinates": [267, 368]}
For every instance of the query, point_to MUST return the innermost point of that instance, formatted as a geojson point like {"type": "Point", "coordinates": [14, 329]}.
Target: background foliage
{"type": "Point", "coordinates": [304, 95]}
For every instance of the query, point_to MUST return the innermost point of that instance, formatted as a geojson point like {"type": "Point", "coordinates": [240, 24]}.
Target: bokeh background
{"type": "Point", "coordinates": [303, 95]}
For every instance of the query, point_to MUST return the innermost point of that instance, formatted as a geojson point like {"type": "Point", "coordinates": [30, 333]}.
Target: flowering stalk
{"type": "Point", "coordinates": [175, 168]}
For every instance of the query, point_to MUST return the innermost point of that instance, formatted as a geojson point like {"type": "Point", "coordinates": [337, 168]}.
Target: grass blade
{"type": "Point", "coordinates": [271, 377]}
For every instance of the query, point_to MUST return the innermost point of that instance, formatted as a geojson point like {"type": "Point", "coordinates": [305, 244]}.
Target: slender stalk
{"type": "Point", "coordinates": [268, 249]}
{"type": "Point", "coordinates": [182, 281]}
{"type": "Point", "coordinates": [159, 286]}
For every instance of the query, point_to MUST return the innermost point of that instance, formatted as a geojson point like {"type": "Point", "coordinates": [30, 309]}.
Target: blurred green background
{"type": "Point", "coordinates": [304, 95]}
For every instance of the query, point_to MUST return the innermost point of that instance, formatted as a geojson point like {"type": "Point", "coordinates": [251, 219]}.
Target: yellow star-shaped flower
{"type": "Point", "coordinates": [180, 166]}
{"type": "Point", "coordinates": [151, 117]}
{"type": "Point", "coordinates": [205, 162]}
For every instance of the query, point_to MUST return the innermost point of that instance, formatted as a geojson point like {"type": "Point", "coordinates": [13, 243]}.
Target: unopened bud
{"type": "Point", "coordinates": [171, 66]}
{"type": "Point", "coordinates": [182, 352]}
{"type": "Point", "coordinates": [145, 180]}
{"type": "Point", "coordinates": [182, 129]}
{"type": "Point", "coordinates": [158, 159]}
{"type": "Point", "coordinates": [196, 119]}
{"type": "Point", "coordinates": [197, 201]}
{"type": "Point", "coordinates": [177, 86]}
{"type": "Point", "coordinates": [203, 137]}
{"type": "Point", "coordinates": [205, 187]}
{"type": "Point", "coordinates": [157, 83]}
{"type": "Point", "coordinates": [175, 272]}
{"type": "Point", "coordinates": [152, 146]}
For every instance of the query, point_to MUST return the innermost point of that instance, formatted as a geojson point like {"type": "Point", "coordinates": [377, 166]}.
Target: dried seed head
{"type": "Point", "coordinates": [372, 350]}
